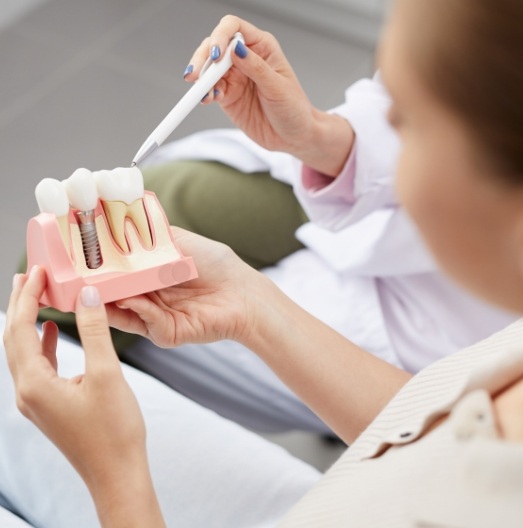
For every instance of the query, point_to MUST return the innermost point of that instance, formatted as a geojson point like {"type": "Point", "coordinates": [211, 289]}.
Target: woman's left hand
{"type": "Point", "coordinates": [94, 418]}
{"type": "Point", "coordinates": [224, 302]}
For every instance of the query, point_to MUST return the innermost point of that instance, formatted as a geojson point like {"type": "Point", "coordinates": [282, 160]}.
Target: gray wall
{"type": "Point", "coordinates": [357, 21]}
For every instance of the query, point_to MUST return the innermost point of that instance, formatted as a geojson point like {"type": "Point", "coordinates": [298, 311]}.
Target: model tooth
{"type": "Point", "coordinates": [121, 191]}
{"type": "Point", "coordinates": [81, 190]}
{"type": "Point", "coordinates": [120, 185]}
{"type": "Point", "coordinates": [136, 212]}
{"type": "Point", "coordinates": [51, 197]}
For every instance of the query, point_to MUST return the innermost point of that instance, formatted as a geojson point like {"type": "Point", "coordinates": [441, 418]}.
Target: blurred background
{"type": "Point", "coordinates": [83, 83]}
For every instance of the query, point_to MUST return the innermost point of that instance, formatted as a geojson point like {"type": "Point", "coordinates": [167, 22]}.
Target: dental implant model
{"type": "Point", "coordinates": [103, 229]}
{"type": "Point", "coordinates": [82, 194]}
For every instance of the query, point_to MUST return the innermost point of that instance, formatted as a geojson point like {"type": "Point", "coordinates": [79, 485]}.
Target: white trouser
{"type": "Point", "coordinates": [229, 379]}
{"type": "Point", "coordinates": [8, 520]}
{"type": "Point", "coordinates": [208, 472]}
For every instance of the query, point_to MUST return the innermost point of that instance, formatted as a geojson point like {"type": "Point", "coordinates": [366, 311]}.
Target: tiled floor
{"type": "Point", "coordinates": [83, 84]}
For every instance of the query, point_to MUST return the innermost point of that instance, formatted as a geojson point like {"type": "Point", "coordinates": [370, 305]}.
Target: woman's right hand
{"type": "Point", "coordinates": [262, 96]}
{"type": "Point", "coordinates": [93, 418]}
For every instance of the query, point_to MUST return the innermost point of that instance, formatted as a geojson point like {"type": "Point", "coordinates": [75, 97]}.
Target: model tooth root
{"type": "Point", "coordinates": [63, 224]}
{"type": "Point", "coordinates": [136, 212]}
{"type": "Point", "coordinates": [115, 212]}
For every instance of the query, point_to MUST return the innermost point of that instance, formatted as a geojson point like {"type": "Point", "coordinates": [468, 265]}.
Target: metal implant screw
{"type": "Point", "coordinates": [90, 242]}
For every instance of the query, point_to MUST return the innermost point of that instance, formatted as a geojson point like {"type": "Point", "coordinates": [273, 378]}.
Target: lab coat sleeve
{"type": "Point", "coordinates": [366, 183]}
{"type": "Point", "coordinates": [357, 225]}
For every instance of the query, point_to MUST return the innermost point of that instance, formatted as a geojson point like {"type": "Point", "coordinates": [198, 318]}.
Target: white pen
{"type": "Point", "coordinates": [211, 73]}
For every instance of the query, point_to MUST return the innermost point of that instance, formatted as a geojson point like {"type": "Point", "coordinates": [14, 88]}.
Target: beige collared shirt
{"type": "Point", "coordinates": [460, 474]}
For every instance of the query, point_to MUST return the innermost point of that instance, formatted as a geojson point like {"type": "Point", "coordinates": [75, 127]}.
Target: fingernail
{"type": "Point", "coordinates": [216, 92]}
{"type": "Point", "coordinates": [90, 297]}
{"type": "Point", "coordinates": [215, 52]}
{"type": "Point", "coordinates": [188, 70]}
{"type": "Point", "coordinates": [240, 50]}
{"type": "Point", "coordinates": [16, 278]}
{"type": "Point", "coordinates": [33, 269]}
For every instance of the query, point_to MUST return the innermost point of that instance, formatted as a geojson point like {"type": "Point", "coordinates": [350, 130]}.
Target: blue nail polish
{"type": "Point", "coordinates": [215, 52]}
{"type": "Point", "coordinates": [240, 50]}
{"type": "Point", "coordinates": [188, 70]}
{"type": "Point", "coordinates": [216, 92]}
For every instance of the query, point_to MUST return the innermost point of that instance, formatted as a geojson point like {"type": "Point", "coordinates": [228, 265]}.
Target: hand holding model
{"type": "Point", "coordinates": [220, 304]}
{"type": "Point", "coordinates": [263, 97]}
{"type": "Point", "coordinates": [93, 418]}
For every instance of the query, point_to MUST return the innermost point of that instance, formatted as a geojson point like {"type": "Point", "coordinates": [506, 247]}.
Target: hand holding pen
{"type": "Point", "coordinates": [260, 94]}
{"type": "Point", "coordinates": [263, 97]}
{"type": "Point", "coordinates": [244, 70]}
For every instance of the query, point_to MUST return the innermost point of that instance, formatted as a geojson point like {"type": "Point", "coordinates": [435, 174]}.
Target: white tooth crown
{"type": "Point", "coordinates": [81, 190]}
{"type": "Point", "coordinates": [122, 192]}
{"type": "Point", "coordinates": [120, 185]}
{"type": "Point", "coordinates": [51, 197]}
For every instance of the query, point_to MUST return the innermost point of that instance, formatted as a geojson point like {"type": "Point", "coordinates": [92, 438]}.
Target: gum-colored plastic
{"type": "Point", "coordinates": [120, 275]}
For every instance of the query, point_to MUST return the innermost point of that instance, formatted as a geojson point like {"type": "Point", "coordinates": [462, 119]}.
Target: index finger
{"type": "Point", "coordinates": [24, 301]}
{"type": "Point", "coordinates": [228, 26]}
{"type": "Point", "coordinates": [220, 38]}
{"type": "Point", "coordinates": [22, 314]}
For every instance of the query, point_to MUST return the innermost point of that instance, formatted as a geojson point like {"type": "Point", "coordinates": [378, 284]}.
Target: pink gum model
{"type": "Point", "coordinates": [121, 275]}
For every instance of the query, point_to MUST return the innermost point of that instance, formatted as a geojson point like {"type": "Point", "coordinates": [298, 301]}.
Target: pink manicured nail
{"type": "Point", "coordinates": [90, 297]}
{"type": "Point", "coordinates": [16, 278]}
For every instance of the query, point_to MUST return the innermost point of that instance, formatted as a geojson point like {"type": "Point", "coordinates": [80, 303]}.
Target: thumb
{"type": "Point", "coordinates": [93, 327]}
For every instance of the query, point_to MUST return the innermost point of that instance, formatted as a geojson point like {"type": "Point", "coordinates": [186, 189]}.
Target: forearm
{"type": "Point", "coordinates": [343, 384]}
{"type": "Point", "coordinates": [327, 144]}
{"type": "Point", "coordinates": [126, 498]}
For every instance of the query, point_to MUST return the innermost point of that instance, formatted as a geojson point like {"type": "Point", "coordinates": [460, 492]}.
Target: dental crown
{"type": "Point", "coordinates": [81, 190]}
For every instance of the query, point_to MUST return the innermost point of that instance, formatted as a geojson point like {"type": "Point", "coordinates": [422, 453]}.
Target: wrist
{"type": "Point", "coordinates": [126, 496]}
{"type": "Point", "coordinates": [266, 318]}
{"type": "Point", "coordinates": [327, 144]}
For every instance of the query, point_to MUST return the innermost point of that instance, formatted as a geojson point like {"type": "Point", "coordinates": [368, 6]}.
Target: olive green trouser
{"type": "Point", "coordinates": [252, 213]}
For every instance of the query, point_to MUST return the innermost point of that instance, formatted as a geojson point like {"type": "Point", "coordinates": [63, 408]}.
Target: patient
{"type": "Point", "coordinates": [442, 448]}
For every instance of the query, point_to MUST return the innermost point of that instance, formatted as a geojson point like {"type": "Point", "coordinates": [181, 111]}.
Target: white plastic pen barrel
{"type": "Point", "coordinates": [211, 73]}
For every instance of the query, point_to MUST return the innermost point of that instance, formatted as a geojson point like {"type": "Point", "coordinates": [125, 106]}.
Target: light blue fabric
{"type": "Point", "coordinates": [9, 519]}
{"type": "Point", "coordinates": [207, 471]}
